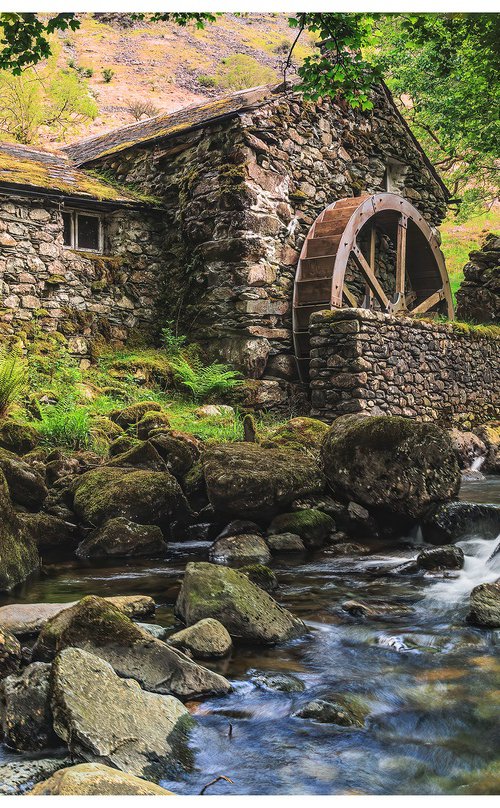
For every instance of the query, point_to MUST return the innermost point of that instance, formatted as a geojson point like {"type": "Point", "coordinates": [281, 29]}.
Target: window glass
{"type": "Point", "coordinates": [67, 219]}
{"type": "Point", "coordinates": [88, 232]}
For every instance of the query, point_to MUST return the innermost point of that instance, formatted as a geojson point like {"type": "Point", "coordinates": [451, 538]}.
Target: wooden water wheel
{"type": "Point", "coordinates": [375, 252]}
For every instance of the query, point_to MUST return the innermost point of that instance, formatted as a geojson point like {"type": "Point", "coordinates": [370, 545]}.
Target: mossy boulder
{"type": "Point", "coordinates": [448, 557]}
{"type": "Point", "coordinates": [245, 480]}
{"type": "Point", "coordinates": [140, 456]}
{"type": "Point", "coordinates": [26, 486]}
{"type": "Point", "coordinates": [238, 550]}
{"type": "Point", "coordinates": [121, 538]}
{"type": "Point", "coordinates": [150, 421]}
{"type": "Point", "coordinates": [300, 434]}
{"type": "Point", "coordinates": [10, 653]}
{"type": "Point", "coordinates": [179, 451]}
{"type": "Point", "coordinates": [285, 543]}
{"type": "Point", "coordinates": [97, 626]}
{"type": "Point", "coordinates": [18, 553]}
{"type": "Point", "coordinates": [454, 520]}
{"type": "Point", "coordinates": [131, 415]}
{"type": "Point", "coordinates": [122, 444]}
{"type": "Point", "coordinates": [261, 576]}
{"type": "Point", "coordinates": [394, 466]}
{"type": "Point", "coordinates": [207, 639]}
{"type": "Point", "coordinates": [50, 533]}
{"type": "Point", "coordinates": [247, 612]}
{"type": "Point", "coordinates": [342, 711]}
{"type": "Point", "coordinates": [96, 780]}
{"type": "Point", "coordinates": [26, 718]}
{"type": "Point", "coordinates": [485, 605]}
{"type": "Point", "coordinates": [18, 438]}
{"type": "Point", "coordinates": [104, 428]}
{"type": "Point", "coordinates": [314, 527]}
{"type": "Point", "coordinates": [146, 497]}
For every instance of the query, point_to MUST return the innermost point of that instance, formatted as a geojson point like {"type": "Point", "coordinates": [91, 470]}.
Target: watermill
{"type": "Point", "coordinates": [375, 252]}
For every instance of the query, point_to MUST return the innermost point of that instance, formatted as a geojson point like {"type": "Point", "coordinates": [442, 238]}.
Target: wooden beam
{"type": "Point", "coordinates": [369, 293]}
{"type": "Point", "coordinates": [429, 302]}
{"type": "Point", "coordinates": [401, 255]}
{"type": "Point", "coordinates": [349, 297]}
{"type": "Point", "coordinates": [370, 277]}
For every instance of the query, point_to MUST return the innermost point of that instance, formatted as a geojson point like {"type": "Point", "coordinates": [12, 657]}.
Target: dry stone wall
{"type": "Point", "coordinates": [46, 286]}
{"type": "Point", "coordinates": [478, 298]}
{"type": "Point", "coordinates": [364, 361]}
{"type": "Point", "coordinates": [240, 196]}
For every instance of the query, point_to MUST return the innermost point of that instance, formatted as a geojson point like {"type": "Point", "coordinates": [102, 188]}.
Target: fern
{"type": "Point", "coordinates": [13, 380]}
{"type": "Point", "coordinates": [204, 380]}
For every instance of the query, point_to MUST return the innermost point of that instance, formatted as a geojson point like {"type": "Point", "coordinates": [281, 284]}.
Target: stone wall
{"type": "Point", "coordinates": [240, 196]}
{"type": "Point", "coordinates": [369, 362]}
{"type": "Point", "coordinates": [44, 285]}
{"type": "Point", "coordinates": [478, 298]}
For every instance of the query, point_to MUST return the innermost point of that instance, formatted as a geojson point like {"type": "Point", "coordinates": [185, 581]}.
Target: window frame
{"type": "Point", "coordinates": [74, 213]}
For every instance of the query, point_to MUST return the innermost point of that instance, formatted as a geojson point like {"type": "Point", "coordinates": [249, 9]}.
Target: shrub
{"type": "Point", "coordinates": [107, 74]}
{"type": "Point", "coordinates": [65, 425]}
{"type": "Point", "coordinates": [140, 109]}
{"type": "Point", "coordinates": [13, 380]}
{"type": "Point", "coordinates": [204, 380]}
{"type": "Point", "coordinates": [207, 81]}
{"type": "Point", "coordinates": [85, 72]}
{"type": "Point", "coordinates": [240, 71]}
{"type": "Point", "coordinates": [172, 342]}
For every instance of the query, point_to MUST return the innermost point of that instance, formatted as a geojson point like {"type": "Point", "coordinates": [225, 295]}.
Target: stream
{"type": "Point", "coordinates": [431, 682]}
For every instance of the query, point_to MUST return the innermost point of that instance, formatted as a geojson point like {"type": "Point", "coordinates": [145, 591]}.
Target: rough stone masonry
{"type": "Point", "coordinates": [363, 361]}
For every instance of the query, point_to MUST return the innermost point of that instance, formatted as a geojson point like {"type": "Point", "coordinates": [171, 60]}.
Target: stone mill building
{"type": "Point", "coordinates": [200, 216]}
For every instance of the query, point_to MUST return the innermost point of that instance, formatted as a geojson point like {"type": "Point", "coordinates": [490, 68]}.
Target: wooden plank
{"type": "Point", "coordinates": [429, 302]}
{"type": "Point", "coordinates": [401, 255]}
{"type": "Point", "coordinates": [370, 277]}
{"type": "Point", "coordinates": [349, 297]}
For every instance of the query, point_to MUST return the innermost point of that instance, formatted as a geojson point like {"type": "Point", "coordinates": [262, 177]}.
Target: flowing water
{"type": "Point", "coordinates": [429, 681]}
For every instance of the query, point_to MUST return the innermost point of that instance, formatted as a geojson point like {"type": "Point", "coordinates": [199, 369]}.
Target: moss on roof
{"type": "Point", "coordinates": [53, 171]}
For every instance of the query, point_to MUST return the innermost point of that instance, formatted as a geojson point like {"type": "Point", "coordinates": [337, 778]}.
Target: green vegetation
{"type": "Point", "coordinates": [65, 426]}
{"type": "Point", "coordinates": [107, 74]}
{"type": "Point", "coordinates": [460, 237]}
{"type": "Point", "coordinates": [204, 381]}
{"type": "Point", "coordinates": [240, 71]}
{"type": "Point", "coordinates": [13, 380]}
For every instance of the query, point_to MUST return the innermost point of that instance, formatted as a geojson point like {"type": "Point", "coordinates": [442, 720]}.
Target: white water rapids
{"type": "Point", "coordinates": [481, 565]}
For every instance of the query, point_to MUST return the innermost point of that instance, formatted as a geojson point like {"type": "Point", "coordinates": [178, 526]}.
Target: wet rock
{"type": "Point", "coordinates": [151, 421]}
{"type": "Point", "coordinates": [448, 557]}
{"type": "Point", "coordinates": [20, 776]}
{"type": "Point", "coordinates": [18, 438]}
{"type": "Point", "coordinates": [204, 640]}
{"type": "Point", "coordinates": [239, 526]}
{"type": "Point", "coordinates": [303, 435]}
{"type": "Point", "coordinates": [98, 627]}
{"type": "Point", "coordinates": [331, 712]}
{"type": "Point", "coordinates": [10, 652]}
{"type": "Point", "coordinates": [407, 568]}
{"type": "Point", "coordinates": [375, 610]}
{"type": "Point", "coordinates": [141, 733]}
{"type": "Point", "coordinates": [246, 481]}
{"type": "Point", "coordinates": [285, 543]}
{"type": "Point", "coordinates": [26, 717]}
{"type": "Point", "coordinates": [247, 612]}
{"type": "Point", "coordinates": [485, 605]}
{"type": "Point", "coordinates": [18, 554]}
{"type": "Point", "coordinates": [130, 416]}
{"type": "Point", "coordinates": [467, 447]}
{"type": "Point", "coordinates": [49, 533]}
{"type": "Point", "coordinates": [146, 497]}
{"type": "Point", "coordinates": [323, 502]}
{"type": "Point", "coordinates": [339, 537]}
{"type": "Point", "coordinates": [357, 521]}
{"type": "Point", "coordinates": [142, 456]}
{"type": "Point", "coordinates": [160, 632]}
{"type": "Point", "coordinates": [28, 618]}
{"type": "Point", "coordinates": [239, 550]}
{"type": "Point", "coordinates": [349, 549]}
{"type": "Point", "coordinates": [312, 526]}
{"type": "Point", "coordinates": [178, 451]}
{"type": "Point", "coordinates": [490, 435]}
{"type": "Point", "coordinates": [26, 486]}
{"type": "Point", "coordinates": [96, 780]}
{"type": "Point", "coordinates": [283, 682]}
{"type": "Point", "coordinates": [122, 538]}
{"type": "Point", "coordinates": [455, 520]}
{"type": "Point", "coordinates": [261, 576]}
{"type": "Point", "coordinates": [396, 467]}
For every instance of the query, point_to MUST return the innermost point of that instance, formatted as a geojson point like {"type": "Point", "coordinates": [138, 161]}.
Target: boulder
{"type": "Point", "coordinates": [214, 411]}
{"type": "Point", "coordinates": [313, 527]}
{"type": "Point", "coordinates": [18, 553]}
{"type": "Point", "coordinates": [146, 497]}
{"type": "Point", "coordinates": [18, 438]}
{"type": "Point", "coordinates": [448, 557]}
{"type": "Point", "coordinates": [467, 447]}
{"type": "Point", "coordinates": [28, 618]}
{"type": "Point", "coordinates": [131, 415]}
{"type": "Point", "coordinates": [455, 520]}
{"type": "Point", "coordinates": [119, 537]}
{"type": "Point", "coordinates": [10, 652]}
{"type": "Point", "coordinates": [96, 780]}
{"type": "Point", "coordinates": [490, 435]}
{"type": "Point", "coordinates": [179, 451]}
{"type": "Point", "coordinates": [261, 576]}
{"type": "Point", "coordinates": [303, 435]}
{"type": "Point", "coordinates": [333, 711]}
{"type": "Point", "coordinates": [239, 550]}
{"type": "Point", "coordinates": [239, 526]}
{"type": "Point", "coordinates": [349, 548]}
{"type": "Point", "coordinates": [285, 543]}
{"type": "Point", "coordinates": [283, 682]}
{"type": "Point", "coordinates": [396, 467]}
{"type": "Point", "coordinates": [26, 486]}
{"type": "Point", "coordinates": [21, 775]}
{"type": "Point", "coordinates": [485, 605]}
{"type": "Point", "coordinates": [149, 422]}
{"type": "Point", "coordinates": [247, 612]}
{"type": "Point", "coordinates": [26, 717]}
{"type": "Point", "coordinates": [205, 640]}
{"type": "Point", "coordinates": [141, 456]}
{"type": "Point", "coordinates": [99, 627]}
{"type": "Point", "coordinates": [49, 533]}
{"type": "Point", "coordinates": [122, 444]}
{"type": "Point", "coordinates": [110, 720]}
{"type": "Point", "coordinates": [246, 481]}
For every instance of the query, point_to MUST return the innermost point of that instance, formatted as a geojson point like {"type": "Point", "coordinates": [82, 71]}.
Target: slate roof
{"type": "Point", "coordinates": [52, 172]}
{"type": "Point", "coordinates": [169, 124]}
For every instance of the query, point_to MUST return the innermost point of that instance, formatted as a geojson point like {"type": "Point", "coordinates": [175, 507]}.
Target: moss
{"type": "Point", "coordinates": [55, 280]}
{"type": "Point", "coordinates": [311, 525]}
{"type": "Point", "coordinates": [300, 435]}
{"type": "Point", "coordinates": [260, 575]}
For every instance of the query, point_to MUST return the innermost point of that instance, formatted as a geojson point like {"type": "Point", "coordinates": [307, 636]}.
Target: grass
{"type": "Point", "coordinates": [459, 239]}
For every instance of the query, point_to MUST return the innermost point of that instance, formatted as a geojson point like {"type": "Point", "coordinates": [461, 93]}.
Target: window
{"type": "Point", "coordinates": [83, 231]}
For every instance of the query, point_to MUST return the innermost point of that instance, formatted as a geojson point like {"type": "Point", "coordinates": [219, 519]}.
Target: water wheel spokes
{"type": "Point", "coordinates": [345, 236]}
